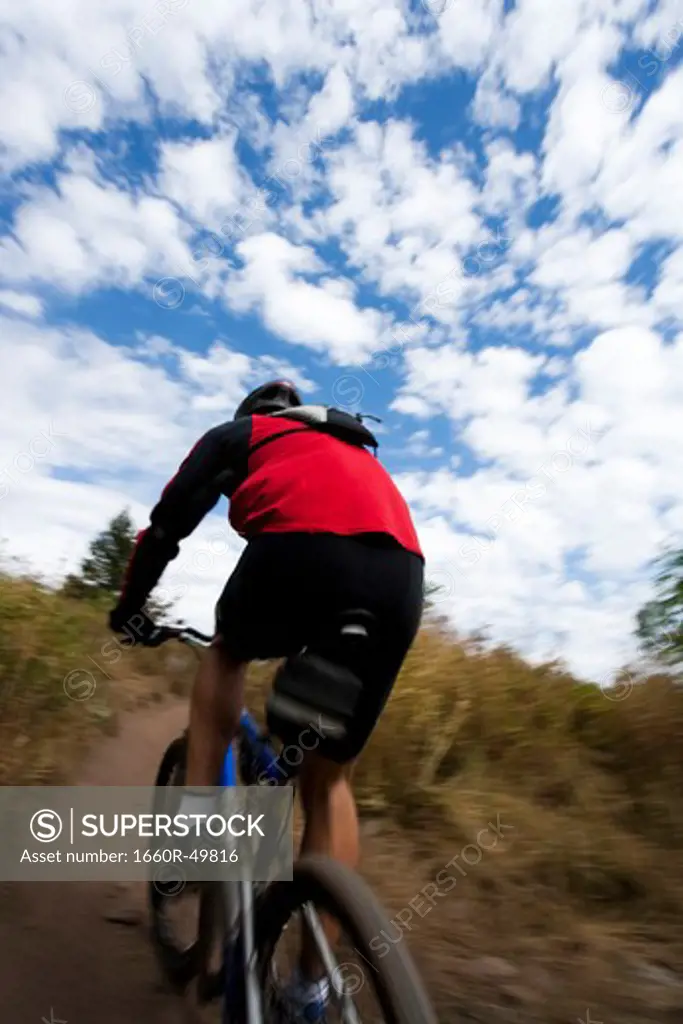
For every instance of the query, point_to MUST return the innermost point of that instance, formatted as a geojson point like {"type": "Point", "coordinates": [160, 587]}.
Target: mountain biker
{"type": "Point", "coordinates": [327, 531]}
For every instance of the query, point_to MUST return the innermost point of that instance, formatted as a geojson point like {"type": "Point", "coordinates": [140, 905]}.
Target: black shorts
{"type": "Point", "coordinates": [288, 588]}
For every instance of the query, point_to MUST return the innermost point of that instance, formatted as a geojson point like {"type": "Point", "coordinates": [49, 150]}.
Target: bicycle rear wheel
{"type": "Point", "coordinates": [334, 889]}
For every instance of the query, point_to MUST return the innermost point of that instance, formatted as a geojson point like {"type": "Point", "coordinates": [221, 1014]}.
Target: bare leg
{"type": "Point", "coordinates": [216, 705]}
{"type": "Point", "coordinates": [331, 828]}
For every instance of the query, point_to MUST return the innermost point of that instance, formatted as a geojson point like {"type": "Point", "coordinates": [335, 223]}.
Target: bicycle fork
{"type": "Point", "coordinates": [238, 907]}
{"type": "Point", "coordinates": [242, 1003]}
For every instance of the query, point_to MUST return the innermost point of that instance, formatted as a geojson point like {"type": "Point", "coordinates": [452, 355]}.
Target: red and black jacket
{"type": "Point", "coordinates": [306, 470]}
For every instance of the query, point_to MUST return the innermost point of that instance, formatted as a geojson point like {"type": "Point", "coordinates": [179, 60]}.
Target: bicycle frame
{"type": "Point", "coordinates": [238, 897]}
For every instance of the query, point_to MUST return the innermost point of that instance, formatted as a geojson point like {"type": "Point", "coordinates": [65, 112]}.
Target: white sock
{"type": "Point", "coordinates": [195, 801]}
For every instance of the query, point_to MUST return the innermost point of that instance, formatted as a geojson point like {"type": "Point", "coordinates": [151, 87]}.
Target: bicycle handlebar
{"type": "Point", "coordinates": [184, 634]}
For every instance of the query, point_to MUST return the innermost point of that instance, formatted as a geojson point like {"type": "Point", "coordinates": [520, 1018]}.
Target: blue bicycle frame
{"type": "Point", "coordinates": [264, 755]}
{"type": "Point", "coordinates": [238, 896]}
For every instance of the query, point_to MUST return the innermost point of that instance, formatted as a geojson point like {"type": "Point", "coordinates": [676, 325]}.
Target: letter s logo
{"type": "Point", "coordinates": [46, 826]}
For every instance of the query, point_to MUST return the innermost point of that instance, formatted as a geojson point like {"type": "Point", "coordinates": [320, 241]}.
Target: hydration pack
{"type": "Point", "coordinates": [335, 422]}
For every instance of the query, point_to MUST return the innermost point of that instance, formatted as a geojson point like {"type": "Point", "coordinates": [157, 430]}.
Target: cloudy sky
{"type": "Point", "coordinates": [463, 216]}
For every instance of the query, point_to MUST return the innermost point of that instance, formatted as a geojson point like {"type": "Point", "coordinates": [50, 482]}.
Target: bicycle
{"type": "Point", "coordinates": [247, 919]}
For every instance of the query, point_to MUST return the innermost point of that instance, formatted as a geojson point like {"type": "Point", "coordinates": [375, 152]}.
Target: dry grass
{"type": "Point", "coordinates": [63, 679]}
{"type": "Point", "coordinates": [583, 894]}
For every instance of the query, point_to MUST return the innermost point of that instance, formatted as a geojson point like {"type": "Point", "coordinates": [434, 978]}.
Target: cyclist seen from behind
{"type": "Point", "coordinates": [327, 531]}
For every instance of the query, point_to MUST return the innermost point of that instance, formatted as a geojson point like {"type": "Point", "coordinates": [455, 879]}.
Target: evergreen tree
{"type": "Point", "coordinates": [103, 571]}
{"type": "Point", "coordinates": [660, 621]}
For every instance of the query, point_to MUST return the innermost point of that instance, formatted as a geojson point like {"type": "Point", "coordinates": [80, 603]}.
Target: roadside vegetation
{"type": "Point", "coordinates": [583, 784]}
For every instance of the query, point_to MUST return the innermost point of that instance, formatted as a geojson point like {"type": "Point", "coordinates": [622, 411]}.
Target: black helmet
{"type": "Point", "coordinates": [272, 397]}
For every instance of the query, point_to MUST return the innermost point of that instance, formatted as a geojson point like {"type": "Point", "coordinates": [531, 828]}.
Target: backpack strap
{"type": "Point", "coordinates": [272, 437]}
{"type": "Point", "coordinates": [339, 424]}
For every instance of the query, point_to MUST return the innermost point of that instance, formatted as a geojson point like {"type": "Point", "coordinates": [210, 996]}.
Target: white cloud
{"type": "Point", "coordinates": [667, 299]}
{"type": "Point", "coordinates": [91, 428]}
{"type": "Point", "coordinates": [461, 384]}
{"type": "Point", "coordinates": [56, 544]}
{"type": "Point", "coordinates": [662, 29]}
{"type": "Point", "coordinates": [582, 127]}
{"type": "Point", "coordinates": [403, 219]}
{"type": "Point", "coordinates": [562, 472]}
{"type": "Point", "coordinates": [321, 315]}
{"type": "Point", "coordinates": [597, 162]}
{"type": "Point", "coordinates": [581, 258]}
{"type": "Point", "coordinates": [492, 106]}
{"type": "Point", "coordinates": [530, 46]}
{"type": "Point", "coordinates": [411, 214]}
{"type": "Point", "coordinates": [88, 234]}
{"type": "Point", "coordinates": [75, 67]}
{"type": "Point", "coordinates": [117, 410]}
{"type": "Point", "coordinates": [419, 444]}
{"type": "Point", "coordinates": [298, 143]}
{"type": "Point", "coordinates": [467, 31]}
{"type": "Point", "coordinates": [332, 107]}
{"type": "Point", "coordinates": [21, 302]}
{"type": "Point", "coordinates": [645, 164]}
{"type": "Point", "coordinates": [204, 177]}
{"type": "Point", "coordinates": [32, 89]}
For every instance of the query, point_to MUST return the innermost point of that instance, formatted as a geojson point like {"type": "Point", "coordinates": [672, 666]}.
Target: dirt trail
{"type": "Point", "coordinates": [61, 959]}
{"type": "Point", "coordinates": [79, 953]}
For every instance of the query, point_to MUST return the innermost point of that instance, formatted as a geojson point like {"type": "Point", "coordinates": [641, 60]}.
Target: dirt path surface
{"type": "Point", "coordinates": [62, 958]}
{"type": "Point", "coordinates": [79, 953]}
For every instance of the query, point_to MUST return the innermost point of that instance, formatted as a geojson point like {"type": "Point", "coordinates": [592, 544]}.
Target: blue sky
{"type": "Point", "coordinates": [459, 215]}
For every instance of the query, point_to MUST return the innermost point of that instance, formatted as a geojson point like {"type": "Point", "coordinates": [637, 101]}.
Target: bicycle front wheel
{"type": "Point", "coordinates": [172, 922]}
{"type": "Point", "coordinates": [388, 970]}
